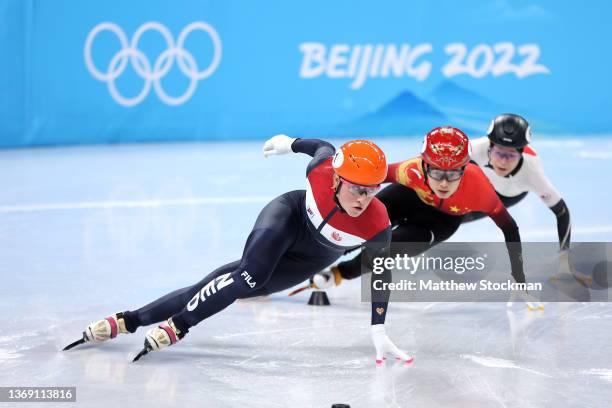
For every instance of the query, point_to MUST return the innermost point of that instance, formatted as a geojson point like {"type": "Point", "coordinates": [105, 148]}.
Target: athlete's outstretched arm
{"type": "Point", "coordinates": [378, 248]}
{"type": "Point", "coordinates": [504, 220]}
{"type": "Point", "coordinates": [542, 186]}
{"type": "Point", "coordinates": [506, 223]}
{"type": "Point", "coordinates": [319, 150]}
{"type": "Point", "coordinates": [493, 206]}
{"type": "Point", "coordinates": [313, 147]}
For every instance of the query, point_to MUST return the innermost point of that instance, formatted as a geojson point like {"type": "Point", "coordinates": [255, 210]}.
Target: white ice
{"type": "Point", "coordinates": [88, 231]}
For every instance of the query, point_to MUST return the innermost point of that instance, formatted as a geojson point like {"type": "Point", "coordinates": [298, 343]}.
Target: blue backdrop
{"type": "Point", "coordinates": [118, 71]}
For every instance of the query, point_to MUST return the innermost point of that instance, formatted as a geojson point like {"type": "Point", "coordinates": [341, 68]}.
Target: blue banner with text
{"type": "Point", "coordinates": [115, 71]}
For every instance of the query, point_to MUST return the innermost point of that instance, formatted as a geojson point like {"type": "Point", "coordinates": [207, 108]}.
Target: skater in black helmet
{"type": "Point", "coordinates": [295, 235]}
{"type": "Point", "coordinates": [514, 169]}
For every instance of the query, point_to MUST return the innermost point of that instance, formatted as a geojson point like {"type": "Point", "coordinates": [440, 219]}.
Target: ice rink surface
{"type": "Point", "coordinates": [88, 231]}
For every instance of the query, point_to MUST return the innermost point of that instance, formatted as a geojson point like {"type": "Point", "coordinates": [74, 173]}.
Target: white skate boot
{"type": "Point", "coordinates": [102, 330]}
{"type": "Point", "coordinates": [164, 335]}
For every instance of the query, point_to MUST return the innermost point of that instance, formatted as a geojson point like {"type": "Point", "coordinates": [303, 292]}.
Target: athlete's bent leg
{"type": "Point", "coordinates": [274, 233]}
{"type": "Point", "coordinates": [263, 250]}
{"type": "Point", "coordinates": [172, 303]}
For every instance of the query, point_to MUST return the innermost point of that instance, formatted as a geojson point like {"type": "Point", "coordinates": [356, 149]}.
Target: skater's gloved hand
{"type": "Point", "coordinates": [326, 279]}
{"type": "Point", "coordinates": [384, 345]}
{"type": "Point", "coordinates": [524, 296]}
{"type": "Point", "coordinates": [279, 144]}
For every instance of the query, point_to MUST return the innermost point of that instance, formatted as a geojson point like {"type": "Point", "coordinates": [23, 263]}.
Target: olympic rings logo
{"type": "Point", "coordinates": [152, 74]}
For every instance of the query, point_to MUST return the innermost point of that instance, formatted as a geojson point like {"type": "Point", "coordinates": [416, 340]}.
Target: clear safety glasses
{"type": "Point", "coordinates": [448, 175]}
{"type": "Point", "coordinates": [507, 155]}
{"type": "Point", "coordinates": [359, 190]}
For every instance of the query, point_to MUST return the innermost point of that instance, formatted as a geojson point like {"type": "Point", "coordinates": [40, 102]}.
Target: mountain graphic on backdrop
{"type": "Point", "coordinates": [447, 104]}
{"type": "Point", "coordinates": [405, 114]}
{"type": "Point", "coordinates": [465, 108]}
{"type": "Point", "coordinates": [473, 112]}
{"type": "Point", "coordinates": [453, 99]}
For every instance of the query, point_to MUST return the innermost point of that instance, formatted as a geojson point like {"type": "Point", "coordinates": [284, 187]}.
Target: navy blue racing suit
{"type": "Point", "coordinates": [296, 235]}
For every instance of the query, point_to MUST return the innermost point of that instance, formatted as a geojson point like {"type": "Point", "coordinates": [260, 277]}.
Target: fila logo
{"type": "Point", "coordinates": [248, 279]}
{"type": "Point", "coordinates": [210, 289]}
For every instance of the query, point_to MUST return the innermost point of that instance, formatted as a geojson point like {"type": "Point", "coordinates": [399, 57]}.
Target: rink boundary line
{"type": "Point", "coordinates": [89, 205]}
{"type": "Point", "coordinates": [276, 331]}
{"type": "Point", "coordinates": [541, 233]}
{"type": "Point", "coordinates": [527, 234]}
{"type": "Point", "coordinates": [104, 205]}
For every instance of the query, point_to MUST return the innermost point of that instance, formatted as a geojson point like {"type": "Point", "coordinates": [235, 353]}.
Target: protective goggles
{"type": "Point", "coordinates": [504, 154]}
{"type": "Point", "coordinates": [448, 175]}
{"type": "Point", "coordinates": [359, 190]}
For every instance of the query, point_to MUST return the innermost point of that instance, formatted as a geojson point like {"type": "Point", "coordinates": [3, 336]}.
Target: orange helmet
{"type": "Point", "coordinates": [360, 162]}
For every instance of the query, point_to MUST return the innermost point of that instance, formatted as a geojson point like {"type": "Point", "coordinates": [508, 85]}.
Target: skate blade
{"type": "Point", "coordinates": [75, 343]}
{"type": "Point", "coordinates": [535, 308]}
{"type": "Point", "coordinates": [143, 352]}
{"type": "Point", "coordinates": [295, 292]}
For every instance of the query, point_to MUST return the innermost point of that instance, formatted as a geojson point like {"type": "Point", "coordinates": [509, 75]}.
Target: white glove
{"type": "Point", "coordinates": [522, 295]}
{"type": "Point", "coordinates": [384, 345]}
{"type": "Point", "coordinates": [326, 279]}
{"type": "Point", "coordinates": [279, 144]}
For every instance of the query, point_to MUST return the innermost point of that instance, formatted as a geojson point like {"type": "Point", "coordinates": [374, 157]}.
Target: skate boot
{"type": "Point", "coordinates": [102, 330]}
{"type": "Point", "coordinates": [326, 279]}
{"type": "Point", "coordinates": [532, 303]}
{"type": "Point", "coordinates": [164, 335]}
{"type": "Point", "coordinates": [322, 280]}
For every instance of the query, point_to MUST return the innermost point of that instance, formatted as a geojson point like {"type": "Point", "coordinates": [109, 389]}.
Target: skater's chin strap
{"type": "Point", "coordinates": [336, 196]}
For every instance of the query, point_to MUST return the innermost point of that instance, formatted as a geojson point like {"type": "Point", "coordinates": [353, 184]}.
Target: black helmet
{"type": "Point", "coordinates": [509, 130]}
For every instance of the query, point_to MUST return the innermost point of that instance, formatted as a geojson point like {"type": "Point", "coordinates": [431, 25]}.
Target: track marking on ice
{"type": "Point", "coordinates": [247, 360]}
{"type": "Point", "coordinates": [175, 202]}
{"type": "Point", "coordinates": [499, 363]}
{"type": "Point", "coordinates": [540, 233]}
{"type": "Point", "coordinates": [602, 373]}
{"type": "Point", "coordinates": [527, 234]}
{"type": "Point", "coordinates": [87, 205]}
{"type": "Point", "coordinates": [228, 336]}
{"type": "Point", "coordinates": [280, 351]}
{"type": "Point", "coordinates": [8, 355]}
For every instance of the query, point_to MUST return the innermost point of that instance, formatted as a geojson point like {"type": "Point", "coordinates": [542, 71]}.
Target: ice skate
{"type": "Point", "coordinates": [530, 301]}
{"type": "Point", "coordinates": [164, 335]}
{"type": "Point", "coordinates": [101, 330]}
{"type": "Point", "coordinates": [323, 280]}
